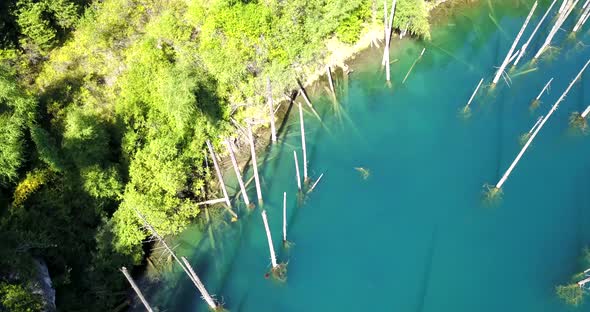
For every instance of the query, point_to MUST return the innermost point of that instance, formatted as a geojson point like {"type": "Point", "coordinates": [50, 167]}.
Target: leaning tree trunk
{"type": "Point", "coordinates": [273, 132]}
{"type": "Point", "coordinates": [136, 289]}
{"type": "Point", "coordinates": [273, 257]}
{"type": "Point", "coordinates": [206, 296]}
{"type": "Point", "coordinates": [284, 217]}
{"type": "Point", "coordinates": [466, 108]}
{"type": "Point", "coordinates": [220, 177]}
{"type": "Point", "coordinates": [509, 55]}
{"type": "Point", "coordinates": [526, 44]}
{"type": "Point", "coordinates": [297, 171]}
{"type": "Point", "coordinates": [530, 140]}
{"type": "Point", "coordinates": [303, 143]}
{"type": "Point", "coordinates": [254, 164]}
{"type": "Point", "coordinates": [237, 171]}
{"type": "Point", "coordinates": [560, 20]}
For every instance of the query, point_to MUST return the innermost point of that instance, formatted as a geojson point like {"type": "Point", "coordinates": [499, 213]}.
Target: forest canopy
{"type": "Point", "coordinates": [105, 107]}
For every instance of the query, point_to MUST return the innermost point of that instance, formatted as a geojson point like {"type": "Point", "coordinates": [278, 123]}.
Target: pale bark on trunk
{"type": "Point", "coordinates": [544, 88]}
{"type": "Point", "coordinates": [582, 18]}
{"type": "Point", "coordinates": [211, 202]}
{"type": "Point", "coordinates": [414, 64]}
{"type": "Point", "coordinates": [560, 20]}
{"type": "Point", "coordinates": [197, 281]}
{"type": "Point", "coordinates": [254, 164]}
{"type": "Point", "coordinates": [220, 178]}
{"type": "Point", "coordinates": [329, 71]}
{"type": "Point", "coordinates": [316, 183]}
{"type": "Point", "coordinates": [303, 142]}
{"type": "Point", "coordinates": [297, 171]}
{"type": "Point", "coordinates": [284, 216]}
{"type": "Point", "coordinates": [586, 111]}
{"type": "Point", "coordinates": [536, 124]}
{"type": "Point", "coordinates": [526, 44]}
{"type": "Point", "coordinates": [136, 289]}
{"type": "Point", "coordinates": [514, 44]}
{"type": "Point", "coordinates": [273, 132]}
{"type": "Point", "coordinates": [473, 94]}
{"type": "Point", "coordinates": [237, 171]}
{"type": "Point", "coordinates": [534, 134]}
{"type": "Point", "coordinates": [273, 257]}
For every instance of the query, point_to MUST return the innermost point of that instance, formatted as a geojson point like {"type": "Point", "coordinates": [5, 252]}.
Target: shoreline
{"type": "Point", "coordinates": [340, 58]}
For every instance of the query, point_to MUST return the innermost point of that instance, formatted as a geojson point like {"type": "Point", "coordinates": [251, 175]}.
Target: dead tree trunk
{"type": "Point", "coordinates": [414, 64]}
{"type": "Point", "coordinates": [273, 257]}
{"type": "Point", "coordinates": [273, 132]}
{"type": "Point", "coordinates": [284, 217]}
{"type": "Point", "coordinates": [237, 171]}
{"type": "Point", "coordinates": [560, 20]}
{"type": "Point", "coordinates": [254, 165]}
{"type": "Point", "coordinates": [136, 289]}
{"type": "Point", "coordinates": [206, 296]}
{"type": "Point", "coordinates": [534, 134]}
{"type": "Point", "coordinates": [526, 44]}
{"type": "Point", "coordinates": [509, 55]}
{"type": "Point", "coordinates": [297, 171]}
{"type": "Point", "coordinates": [331, 81]}
{"type": "Point", "coordinates": [466, 108]}
{"type": "Point", "coordinates": [220, 177]}
{"type": "Point", "coordinates": [303, 143]}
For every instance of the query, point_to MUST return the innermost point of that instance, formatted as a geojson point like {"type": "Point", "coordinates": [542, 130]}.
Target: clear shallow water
{"type": "Point", "coordinates": [416, 236]}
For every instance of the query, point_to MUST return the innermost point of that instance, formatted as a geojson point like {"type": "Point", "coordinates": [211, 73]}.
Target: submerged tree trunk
{"type": "Point", "coordinates": [386, 46]}
{"type": "Point", "coordinates": [211, 202]}
{"type": "Point", "coordinates": [254, 164]}
{"type": "Point", "coordinates": [206, 296]}
{"type": "Point", "coordinates": [388, 31]}
{"type": "Point", "coordinates": [303, 143]}
{"type": "Point", "coordinates": [414, 64]}
{"type": "Point", "coordinates": [560, 20]}
{"type": "Point", "coordinates": [544, 88]}
{"type": "Point", "coordinates": [328, 70]}
{"type": "Point", "coordinates": [466, 108]}
{"type": "Point", "coordinates": [586, 111]}
{"type": "Point", "coordinates": [220, 177]}
{"type": "Point", "coordinates": [297, 171]}
{"type": "Point", "coordinates": [526, 44]}
{"type": "Point", "coordinates": [528, 143]}
{"type": "Point", "coordinates": [514, 44]}
{"type": "Point", "coordinates": [284, 217]}
{"type": "Point", "coordinates": [536, 124]}
{"type": "Point", "coordinates": [271, 111]}
{"type": "Point", "coordinates": [136, 289]}
{"type": "Point", "coordinates": [237, 171]}
{"type": "Point", "coordinates": [273, 257]}
{"type": "Point", "coordinates": [316, 183]}
{"type": "Point", "coordinates": [583, 17]}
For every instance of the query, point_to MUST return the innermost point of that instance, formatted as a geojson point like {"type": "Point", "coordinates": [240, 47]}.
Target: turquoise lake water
{"type": "Point", "coordinates": [416, 235]}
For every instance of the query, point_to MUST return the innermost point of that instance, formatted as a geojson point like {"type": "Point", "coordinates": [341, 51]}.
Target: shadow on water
{"type": "Point", "coordinates": [427, 271]}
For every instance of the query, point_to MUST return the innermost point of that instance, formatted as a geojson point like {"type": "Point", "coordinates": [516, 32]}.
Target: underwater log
{"type": "Point", "coordinates": [297, 171]}
{"type": "Point", "coordinates": [220, 177]}
{"type": "Point", "coordinates": [534, 134]}
{"type": "Point", "coordinates": [526, 44]}
{"type": "Point", "coordinates": [303, 143]}
{"type": "Point", "coordinates": [254, 164]}
{"type": "Point", "coordinates": [200, 286]}
{"type": "Point", "coordinates": [509, 55]}
{"type": "Point", "coordinates": [273, 257]}
{"type": "Point", "coordinates": [237, 171]}
{"type": "Point", "coordinates": [136, 289]}
{"type": "Point", "coordinates": [273, 131]}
